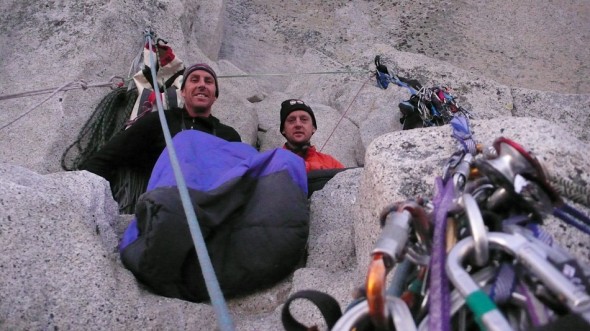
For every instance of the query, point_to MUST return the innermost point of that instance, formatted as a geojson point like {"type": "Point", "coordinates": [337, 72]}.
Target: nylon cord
{"type": "Point", "coordinates": [439, 285]}
{"type": "Point", "coordinates": [295, 74]}
{"type": "Point", "coordinates": [39, 104]}
{"type": "Point", "coordinates": [66, 87]}
{"type": "Point", "coordinates": [135, 60]}
{"type": "Point", "coordinates": [344, 114]}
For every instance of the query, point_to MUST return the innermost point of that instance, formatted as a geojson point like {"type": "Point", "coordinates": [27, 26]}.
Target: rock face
{"type": "Point", "coordinates": [59, 230]}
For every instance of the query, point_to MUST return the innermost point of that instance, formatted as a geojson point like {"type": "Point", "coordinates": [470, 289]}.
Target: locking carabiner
{"type": "Point", "coordinates": [390, 249]}
{"type": "Point", "coordinates": [462, 172]}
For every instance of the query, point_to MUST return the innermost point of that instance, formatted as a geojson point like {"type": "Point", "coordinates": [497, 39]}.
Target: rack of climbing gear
{"type": "Point", "coordinates": [427, 106]}
{"type": "Point", "coordinates": [475, 256]}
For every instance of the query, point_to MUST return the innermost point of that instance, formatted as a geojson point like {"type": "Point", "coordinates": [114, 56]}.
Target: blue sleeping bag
{"type": "Point", "coordinates": [252, 209]}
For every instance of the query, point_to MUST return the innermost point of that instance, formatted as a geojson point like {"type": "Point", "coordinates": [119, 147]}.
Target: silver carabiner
{"type": "Point", "coordinates": [485, 310]}
{"type": "Point", "coordinates": [553, 254]}
{"type": "Point", "coordinates": [482, 277]}
{"type": "Point", "coordinates": [574, 298]}
{"type": "Point", "coordinates": [526, 253]}
{"type": "Point", "coordinates": [390, 249]}
{"type": "Point", "coordinates": [417, 255]}
{"type": "Point", "coordinates": [477, 229]}
{"type": "Point", "coordinates": [462, 172]}
{"type": "Point", "coordinates": [394, 236]}
{"type": "Point", "coordinates": [352, 317]}
{"type": "Point", "coordinates": [401, 316]}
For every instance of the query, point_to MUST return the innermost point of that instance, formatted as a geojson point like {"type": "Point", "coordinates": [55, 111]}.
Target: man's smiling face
{"type": "Point", "coordinates": [199, 93]}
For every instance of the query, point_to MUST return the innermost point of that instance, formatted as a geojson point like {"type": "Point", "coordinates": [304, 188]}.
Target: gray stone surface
{"type": "Point", "coordinates": [55, 43]}
{"type": "Point", "coordinates": [333, 208]}
{"type": "Point", "coordinates": [521, 70]}
{"type": "Point", "coordinates": [202, 25]}
{"type": "Point", "coordinates": [569, 111]}
{"type": "Point", "coordinates": [58, 261]}
{"type": "Point", "coordinates": [533, 45]}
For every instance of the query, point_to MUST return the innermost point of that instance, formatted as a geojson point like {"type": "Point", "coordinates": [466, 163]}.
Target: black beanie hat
{"type": "Point", "coordinates": [200, 66]}
{"type": "Point", "coordinates": [291, 105]}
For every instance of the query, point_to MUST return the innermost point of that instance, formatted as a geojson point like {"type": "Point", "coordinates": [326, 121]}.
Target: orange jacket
{"type": "Point", "coordinates": [315, 160]}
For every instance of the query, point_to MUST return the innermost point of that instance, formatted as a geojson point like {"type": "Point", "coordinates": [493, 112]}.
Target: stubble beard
{"type": "Point", "coordinates": [200, 111]}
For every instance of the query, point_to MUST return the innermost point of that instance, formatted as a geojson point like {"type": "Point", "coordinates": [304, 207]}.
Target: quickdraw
{"type": "Point", "coordinates": [482, 231]}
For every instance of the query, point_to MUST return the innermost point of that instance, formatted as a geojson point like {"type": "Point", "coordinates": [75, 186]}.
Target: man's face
{"type": "Point", "coordinates": [199, 93]}
{"type": "Point", "coordinates": [298, 127]}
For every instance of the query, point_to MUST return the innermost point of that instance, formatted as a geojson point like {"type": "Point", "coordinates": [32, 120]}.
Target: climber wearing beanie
{"type": "Point", "coordinates": [298, 124]}
{"type": "Point", "coordinates": [138, 147]}
{"type": "Point", "coordinates": [199, 89]}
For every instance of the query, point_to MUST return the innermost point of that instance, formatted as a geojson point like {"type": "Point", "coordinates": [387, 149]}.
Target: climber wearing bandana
{"type": "Point", "coordinates": [298, 124]}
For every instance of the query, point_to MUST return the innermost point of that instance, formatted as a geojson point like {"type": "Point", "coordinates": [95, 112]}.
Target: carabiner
{"type": "Point", "coordinates": [388, 250]}
{"type": "Point", "coordinates": [402, 318]}
{"type": "Point", "coordinates": [481, 277]}
{"type": "Point", "coordinates": [462, 172]}
{"type": "Point", "coordinates": [375, 286]}
{"type": "Point", "coordinates": [577, 300]}
{"type": "Point", "coordinates": [477, 229]}
{"type": "Point", "coordinates": [486, 312]}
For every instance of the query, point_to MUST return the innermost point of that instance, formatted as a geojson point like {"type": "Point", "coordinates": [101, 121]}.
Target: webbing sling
{"type": "Point", "coordinates": [327, 305]}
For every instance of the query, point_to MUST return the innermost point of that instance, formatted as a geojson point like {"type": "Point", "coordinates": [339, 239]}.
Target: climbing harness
{"type": "Point", "coordinates": [475, 256]}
